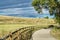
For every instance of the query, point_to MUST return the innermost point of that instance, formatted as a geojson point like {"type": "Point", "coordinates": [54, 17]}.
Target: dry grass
{"type": "Point", "coordinates": [5, 19]}
{"type": "Point", "coordinates": [8, 24]}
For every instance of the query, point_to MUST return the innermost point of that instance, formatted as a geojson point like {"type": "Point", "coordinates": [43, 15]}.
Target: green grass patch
{"type": "Point", "coordinates": [56, 33]}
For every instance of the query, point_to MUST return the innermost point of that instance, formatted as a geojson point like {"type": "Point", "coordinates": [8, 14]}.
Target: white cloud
{"type": "Point", "coordinates": [18, 10]}
{"type": "Point", "coordinates": [16, 5]}
{"type": "Point", "coordinates": [45, 11]}
{"type": "Point", "coordinates": [28, 11]}
{"type": "Point", "coordinates": [22, 10]}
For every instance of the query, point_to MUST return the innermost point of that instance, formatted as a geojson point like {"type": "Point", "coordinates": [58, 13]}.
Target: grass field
{"type": "Point", "coordinates": [9, 24]}
{"type": "Point", "coordinates": [6, 28]}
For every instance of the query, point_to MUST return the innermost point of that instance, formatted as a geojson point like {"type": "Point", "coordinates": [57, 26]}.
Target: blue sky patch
{"type": "Point", "coordinates": [20, 8]}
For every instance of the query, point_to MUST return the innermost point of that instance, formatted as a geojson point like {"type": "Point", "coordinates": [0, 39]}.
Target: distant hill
{"type": "Point", "coordinates": [10, 19]}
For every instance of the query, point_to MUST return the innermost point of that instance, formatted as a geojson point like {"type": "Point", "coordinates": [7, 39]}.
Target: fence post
{"type": "Point", "coordinates": [18, 35]}
{"type": "Point", "coordinates": [21, 35]}
{"type": "Point", "coordinates": [10, 36]}
{"type": "Point", "coordinates": [1, 39]}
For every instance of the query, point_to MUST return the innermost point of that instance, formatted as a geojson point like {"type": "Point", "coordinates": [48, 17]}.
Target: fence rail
{"type": "Point", "coordinates": [20, 34]}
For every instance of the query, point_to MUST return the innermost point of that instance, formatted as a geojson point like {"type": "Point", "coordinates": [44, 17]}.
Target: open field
{"type": "Point", "coordinates": [16, 20]}
{"type": "Point", "coordinates": [9, 24]}
{"type": "Point", "coordinates": [5, 29]}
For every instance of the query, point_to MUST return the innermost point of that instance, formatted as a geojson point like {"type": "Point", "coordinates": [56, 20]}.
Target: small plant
{"type": "Point", "coordinates": [46, 17]}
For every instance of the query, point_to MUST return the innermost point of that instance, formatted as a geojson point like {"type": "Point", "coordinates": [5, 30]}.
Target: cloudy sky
{"type": "Point", "coordinates": [20, 8]}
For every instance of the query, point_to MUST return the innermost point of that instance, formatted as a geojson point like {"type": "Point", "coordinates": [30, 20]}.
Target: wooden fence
{"type": "Point", "coordinates": [20, 34]}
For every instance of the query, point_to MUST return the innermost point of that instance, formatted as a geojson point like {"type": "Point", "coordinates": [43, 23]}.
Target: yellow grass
{"type": "Point", "coordinates": [9, 24]}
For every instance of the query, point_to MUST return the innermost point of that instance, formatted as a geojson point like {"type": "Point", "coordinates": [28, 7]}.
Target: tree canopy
{"type": "Point", "coordinates": [52, 5]}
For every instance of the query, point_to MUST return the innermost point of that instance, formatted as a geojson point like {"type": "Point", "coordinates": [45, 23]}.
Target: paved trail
{"type": "Point", "coordinates": [43, 34]}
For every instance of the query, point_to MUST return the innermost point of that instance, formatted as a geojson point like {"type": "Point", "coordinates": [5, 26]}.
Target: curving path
{"type": "Point", "coordinates": [43, 34]}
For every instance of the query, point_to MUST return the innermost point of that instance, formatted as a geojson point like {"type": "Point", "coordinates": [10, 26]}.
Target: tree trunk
{"type": "Point", "coordinates": [57, 15]}
{"type": "Point", "coordinates": [58, 11]}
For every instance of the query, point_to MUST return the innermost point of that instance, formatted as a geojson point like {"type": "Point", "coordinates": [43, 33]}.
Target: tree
{"type": "Point", "coordinates": [52, 5]}
{"type": "Point", "coordinates": [46, 17]}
